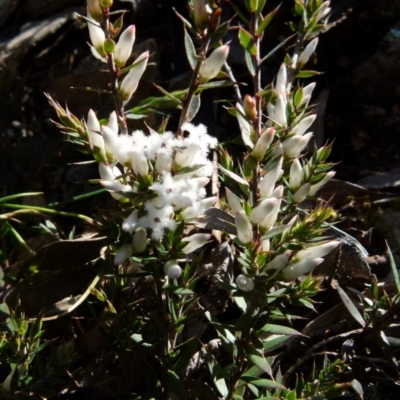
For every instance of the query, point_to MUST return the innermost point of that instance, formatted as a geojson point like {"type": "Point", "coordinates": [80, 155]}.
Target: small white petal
{"type": "Point", "coordinates": [301, 193]}
{"type": "Point", "coordinates": [317, 251]}
{"type": "Point", "coordinates": [302, 267]}
{"type": "Point", "coordinates": [123, 254]}
{"type": "Point", "coordinates": [244, 228]}
{"type": "Point", "coordinates": [195, 242]}
{"type": "Point", "coordinates": [212, 65]}
{"type": "Point", "coordinates": [130, 223]}
{"type": "Point", "coordinates": [296, 174]}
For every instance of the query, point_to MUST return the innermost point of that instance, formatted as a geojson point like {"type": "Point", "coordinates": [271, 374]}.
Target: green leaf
{"type": "Point", "coordinates": [307, 74]}
{"type": "Point", "coordinates": [193, 107]}
{"type": "Point", "coordinates": [267, 20]}
{"type": "Point", "coordinates": [247, 41]}
{"type": "Point", "coordinates": [274, 231]}
{"type": "Point", "coordinates": [252, 5]}
{"type": "Point", "coordinates": [249, 63]}
{"type": "Point", "coordinates": [239, 13]}
{"type": "Point", "coordinates": [276, 48]}
{"type": "Point", "coordinates": [259, 361]}
{"type": "Point", "coordinates": [175, 383]}
{"type": "Point", "coordinates": [261, 4]}
{"type": "Point", "coordinates": [222, 387]}
{"type": "Point", "coordinates": [351, 307]}
{"type": "Point", "coordinates": [263, 383]}
{"type": "Point", "coordinates": [394, 268]}
{"type": "Point", "coordinates": [281, 330]}
{"type": "Point", "coordinates": [190, 50]}
{"type": "Point", "coordinates": [298, 97]}
{"type": "Point", "coordinates": [169, 95]}
{"type": "Point", "coordinates": [233, 176]}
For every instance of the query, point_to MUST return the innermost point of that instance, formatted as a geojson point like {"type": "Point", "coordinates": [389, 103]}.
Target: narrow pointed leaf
{"type": "Point", "coordinates": [247, 41]}
{"type": "Point", "coordinates": [190, 50]}
{"type": "Point", "coordinates": [267, 20]}
{"type": "Point", "coordinates": [351, 307]}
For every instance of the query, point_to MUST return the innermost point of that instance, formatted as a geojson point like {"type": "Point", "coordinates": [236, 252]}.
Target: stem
{"type": "Point", "coordinates": [114, 73]}
{"type": "Point", "coordinates": [257, 123]}
{"type": "Point", "coordinates": [194, 82]}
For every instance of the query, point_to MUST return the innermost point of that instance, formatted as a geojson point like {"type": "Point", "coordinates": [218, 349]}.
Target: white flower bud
{"type": "Point", "coordinates": [113, 123]}
{"type": "Point", "coordinates": [107, 173]}
{"type": "Point", "coordinates": [317, 186]}
{"type": "Point", "coordinates": [139, 163]}
{"type": "Point", "coordinates": [271, 218]}
{"type": "Point", "coordinates": [289, 227]}
{"type": "Point", "coordinates": [320, 250]}
{"type": "Point", "coordinates": [267, 182]}
{"type": "Point", "coordinates": [281, 80]}
{"type": "Point", "coordinates": [280, 111]}
{"type": "Point", "coordinates": [131, 81]}
{"type": "Point", "coordinates": [302, 267]}
{"type": "Point", "coordinates": [245, 127]}
{"type": "Point", "coordinates": [307, 92]}
{"type": "Point", "coordinates": [279, 261]}
{"type": "Point", "coordinates": [95, 137]}
{"type": "Point", "coordinates": [129, 223]}
{"type": "Point", "coordinates": [94, 10]}
{"type": "Point", "coordinates": [212, 65]}
{"type": "Point", "coordinates": [116, 186]}
{"type": "Point", "coordinates": [97, 36]}
{"type": "Point", "coordinates": [195, 242]}
{"type": "Point", "coordinates": [307, 52]}
{"type": "Point", "coordinates": [304, 124]}
{"type": "Point", "coordinates": [123, 49]}
{"type": "Point", "coordinates": [244, 228]}
{"type": "Point", "coordinates": [244, 283]}
{"type": "Point", "coordinates": [263, 143]}
{"type": "Point", "coordinates": [123, 254]}
{"type": "Point", "coordinates": [172, 269]}
{"type": "Point", "coordinates": [296, 174]}
{"type": "Point", "coordinates": [259, 213]}
{"type": "Point", "coordinates": [201, 13]}
{"type": "Point", "coordinates": [233, 201]}
{"type": "Point", "coordinates": [323, 11]}
{"type": "Point", "coordinates": [140, 240]}
{"type": "Point", "coordinates": [163, 162]}
{"type": "Point", "coordinates": [265, 246]}
{"type": "Point", "coordinates": [301, 193]}
{"type": "Point", "coordinates": [294, 145]}
{"type": "Point", "coordinates": [277, 149]}
{"type": "Point", "coordinates": [208, 202]}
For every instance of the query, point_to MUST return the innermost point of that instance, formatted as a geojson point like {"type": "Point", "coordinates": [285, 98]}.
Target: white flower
{"type": "Point", "coordinates": [139, 162]}
{"type": "Point", "coordinates": [211, 66]}
{"type": "Point", "coordinates": [244, 283]}
{"type": "Point", "coordinates": [116, 186]}
{"type": "Point", "coordinates": [119, 146]}
{"type": "Point", "coordinates": [131, 81]}
{"type": "Point", "coordinates": [123, 49]}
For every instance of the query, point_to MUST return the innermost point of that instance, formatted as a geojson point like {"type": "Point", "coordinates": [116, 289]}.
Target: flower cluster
{"type": "Point", "coordinates": [174, 170]}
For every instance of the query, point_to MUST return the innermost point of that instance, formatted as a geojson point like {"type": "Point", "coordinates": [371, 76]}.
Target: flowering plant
{"type": "Point", "coordinates": [159, 244]}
